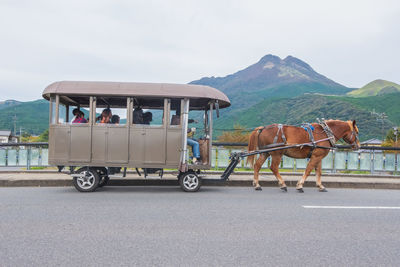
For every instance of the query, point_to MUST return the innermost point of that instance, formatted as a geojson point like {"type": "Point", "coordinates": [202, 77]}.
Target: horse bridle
{"type": "Point", "coordinates": [354, 143]}
{"type": "Point", "coordinates": [332, 137]}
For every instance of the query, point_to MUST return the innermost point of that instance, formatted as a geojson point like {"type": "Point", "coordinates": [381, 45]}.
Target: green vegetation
{"type": "Point", "coordinates": [32, 117]}
{"type": "Point", "coordinates": [273, 90]}
{"type": "Point", "coordinates": [376, 87]}
{"type": "Point", "coordinates": [308, 107]}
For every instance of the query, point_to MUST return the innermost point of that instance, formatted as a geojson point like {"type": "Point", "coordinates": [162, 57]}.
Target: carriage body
{"type": "Point", "coordinates": [128, 144]}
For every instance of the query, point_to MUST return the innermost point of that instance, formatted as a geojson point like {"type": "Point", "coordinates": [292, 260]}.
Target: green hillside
{"type": "Point", "coordinates": [387, 103]}
{"type": "Point", "coordinates": [307, 108]}
{"type": "Point", "coordinates": [32, 117]}
{"type": "Point", "coordinates": [376, 87]}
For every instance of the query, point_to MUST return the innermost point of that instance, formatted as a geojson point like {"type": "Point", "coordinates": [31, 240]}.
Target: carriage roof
{"type": "Point", "coordinates": [201, 93]}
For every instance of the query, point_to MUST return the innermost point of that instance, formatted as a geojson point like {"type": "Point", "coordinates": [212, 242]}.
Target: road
{"type": "Point", "coordinates": [218, 226]}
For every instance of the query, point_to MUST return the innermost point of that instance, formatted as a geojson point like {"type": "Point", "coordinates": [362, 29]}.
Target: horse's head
{"type": "Point", "coordinates": [351, 135]}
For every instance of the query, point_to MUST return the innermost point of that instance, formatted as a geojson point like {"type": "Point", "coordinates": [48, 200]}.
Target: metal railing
{"type": "Point", "coordinates": [369, 159]}
{"type": "Point", "coordinates": [24, 155]}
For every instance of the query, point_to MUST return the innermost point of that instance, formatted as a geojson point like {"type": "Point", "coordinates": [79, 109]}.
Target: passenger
{"type": "Point", "coordinates": [176, 120]}
{"type": "Point", "coordinates": [147, 117]}
{"type": "Point", "coordinates": [115, 119]}
{"type": "Point", "coordinates": [105, 116]}
{"type": "Point", "coordinates": [195, 146]}
{"type": "Point", "coordinates": [138, 115]}
{"type": "Point", "coordinates": [79, 116]}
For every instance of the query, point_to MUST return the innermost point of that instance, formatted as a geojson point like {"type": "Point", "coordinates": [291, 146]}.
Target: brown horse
{"type": "Point", "coordinates": [277, 135]}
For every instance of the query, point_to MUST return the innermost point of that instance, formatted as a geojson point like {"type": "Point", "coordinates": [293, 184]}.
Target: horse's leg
{"type": "Point", "coordinates": [276, 160]}
{"type": "Point", "coordinates": [310, 166]}
{"type": "Point", "coordinates": [318, 172]}
{"type": "Point", "coordinates": [257, 166]}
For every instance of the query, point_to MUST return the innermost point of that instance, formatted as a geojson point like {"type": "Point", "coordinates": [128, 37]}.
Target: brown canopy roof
{"type": "Point", "coordinates": [125, 89]}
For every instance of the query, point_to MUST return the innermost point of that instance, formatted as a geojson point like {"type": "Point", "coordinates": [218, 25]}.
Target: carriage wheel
{"type": "Point", "coordinates": [102, 172]}
{"type": "Point", "coordinates": [189, 182]}
{"type": "Point", "coordinates": [89, 180]}
{"type": "Point", "coordinates": [104, 181]}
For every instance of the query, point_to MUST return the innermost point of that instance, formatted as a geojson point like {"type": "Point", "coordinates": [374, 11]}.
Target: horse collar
{"type": "Point", "coordinates": [329, 133]}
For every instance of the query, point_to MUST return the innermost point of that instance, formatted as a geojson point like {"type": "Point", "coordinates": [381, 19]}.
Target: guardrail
{"type": "Point", "coordinates": [370, 159]}
{"type": "Point", "coordinates": [367, 158]}
{"type": "Point", "coordinates": [24, 155]}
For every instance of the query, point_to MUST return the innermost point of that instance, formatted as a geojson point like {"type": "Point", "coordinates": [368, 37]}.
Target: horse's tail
{"type": "Point", "coordinates": [253, 145]}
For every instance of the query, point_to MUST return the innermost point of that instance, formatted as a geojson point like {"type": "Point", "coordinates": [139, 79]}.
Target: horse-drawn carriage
{"type": "Point", "coordinates": [100, 148]}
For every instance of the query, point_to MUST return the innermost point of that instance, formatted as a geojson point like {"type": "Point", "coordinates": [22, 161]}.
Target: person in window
{"type": "Point", "coordinates": [147, 117]}
{"type": "Point", "coordinates": [105, 116]}
{"type": "Point", "coordinates": [176, 120]}
{"type": "Point", "coordinates": [194, 144]}
{"type": "Point", "coordinates": [79, 116]}
{"type": "Point", "coordinates": [138, 115]}
{"type": "Point", "coordinates": [115, 119]}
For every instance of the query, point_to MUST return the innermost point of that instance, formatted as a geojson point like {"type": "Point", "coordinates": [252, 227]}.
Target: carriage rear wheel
{"type": "Point", "coordinates": [88, 180]}
{"type": "Point", "coordinates": [189, 181]}
{"type": "Point", "coordinates": [104, 181]}
{"type": "Point", "coordinates": [102, 172]}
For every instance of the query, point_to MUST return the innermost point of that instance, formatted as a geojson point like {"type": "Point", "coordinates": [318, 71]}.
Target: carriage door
{"type": "Point", "coordinates": [155, 135]}
{"type": "Point", "coordinates": [117, 135]}
{"type": "Point", "coordinates": [80, 142]}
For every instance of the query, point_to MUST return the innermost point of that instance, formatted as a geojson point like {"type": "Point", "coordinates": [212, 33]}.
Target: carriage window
{"type": "Point", "coordinates": [62, 114]}
{"type": "Point", "coordinates": [144, 115]}
{"type": "Point", "coordinates": [53, 118]}
{"type": "Point", "coordinates": [111, 114]}
{"type": "Point", "coordinates": [198, 124]}
{"type": "Point", "coordinates": [175, 114]}
{"type": "Point", "coordinates": [78, 114]}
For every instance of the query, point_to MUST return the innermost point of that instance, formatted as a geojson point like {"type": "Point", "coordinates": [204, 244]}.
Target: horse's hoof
{"type": "Point", "coordinates": [284, 189]}
{"type": "Point", "coordinates": [258, 188]}
{"type": "Point", "coordinates": [323, 190]}
{"type": "Point", "coordinates": [300, 190]}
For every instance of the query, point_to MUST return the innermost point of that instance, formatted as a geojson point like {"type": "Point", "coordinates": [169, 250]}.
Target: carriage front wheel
{"type": "Point", "coordinates": [87, 179]}
{"type": "Point", "coordinates": [189, 181]}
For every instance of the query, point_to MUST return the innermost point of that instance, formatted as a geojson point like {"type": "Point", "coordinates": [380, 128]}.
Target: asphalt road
{"type": "Point", "coordinates": [218, 226]}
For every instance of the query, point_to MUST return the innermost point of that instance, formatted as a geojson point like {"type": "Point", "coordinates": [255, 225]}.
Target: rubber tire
{"type": "Point", "coordinates": [95, 184]}
{"type": "Point", "coordinates": [104, 181]}
{"type": "Point", "coordinates": [102, 172]}
{"type": "Point", "coordinates": [183, 187]}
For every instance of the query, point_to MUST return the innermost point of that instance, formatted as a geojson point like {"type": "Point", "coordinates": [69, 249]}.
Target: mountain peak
{"type": "Point", "coordinates": [270, 58]}
{"type": "Point", "coordinates": [290, 60]}
{"type": "Point", "coordinates": [376, 87]}
{"type": "Point", "coordinates": [273, 76]}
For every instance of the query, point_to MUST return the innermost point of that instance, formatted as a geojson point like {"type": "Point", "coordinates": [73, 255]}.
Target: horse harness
{"type": "Point", "coordinates": [309, 129]}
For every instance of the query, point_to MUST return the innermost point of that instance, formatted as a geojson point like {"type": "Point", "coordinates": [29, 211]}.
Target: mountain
{"type": "Point", "coordinates": [32, 116]}
{"type": "Point", "coordinates": [9, 103]}
{"type": "Point", "coordinates": [377, 87]}
{"type": "Point", "coordinates": [308, 107]}
{"type": "Point", "coordinates": [273, 90]}
{"type": "Point", "coordinates": [272, 76]}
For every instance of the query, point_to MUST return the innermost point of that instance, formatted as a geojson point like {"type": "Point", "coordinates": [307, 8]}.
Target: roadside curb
{"type": "Point", "coordinates": [235, 173]}
{"type": "Point", "coordinates": [206, 182]}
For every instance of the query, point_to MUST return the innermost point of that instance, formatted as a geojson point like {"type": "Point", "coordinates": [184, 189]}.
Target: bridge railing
{"type": "Point", "coordinates": [24, 155]}
{"type": "Point", "coordinates": [367, 159]}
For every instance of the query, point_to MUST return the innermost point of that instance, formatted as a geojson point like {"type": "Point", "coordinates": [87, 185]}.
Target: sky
{"type": "Point", "coordinates": [42, 41]}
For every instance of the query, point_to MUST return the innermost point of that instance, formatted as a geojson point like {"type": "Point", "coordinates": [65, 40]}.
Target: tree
{"type": "Point", "coordinates": [239, 135]}
{"type": "Point", "coordinates": [43, 137]}
{"type": "Point", "coordinates": [390, 139]}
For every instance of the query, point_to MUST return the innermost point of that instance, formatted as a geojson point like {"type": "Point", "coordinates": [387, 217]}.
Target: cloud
{"type": "Point", "coordinates": [352, 42]}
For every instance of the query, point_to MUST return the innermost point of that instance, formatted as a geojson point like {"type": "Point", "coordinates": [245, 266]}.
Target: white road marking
{"type": "Point", "coordinates": [352, 207]}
